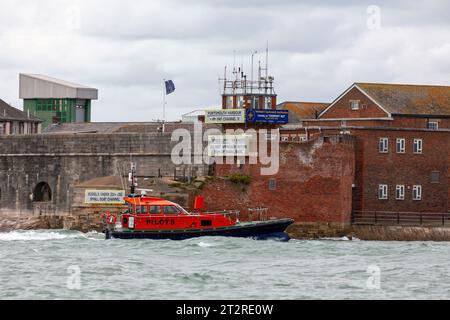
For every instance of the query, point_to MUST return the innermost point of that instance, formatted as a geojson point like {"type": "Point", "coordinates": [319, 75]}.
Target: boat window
{"type": "Point", "coordinates": [130, 208]}
{"type": "Point", "coordinates": [171, 210]}
{"type": "Point", "coordinates": [144, 209]}
{"type": "Point", "coordinates": [138, 209]}
{"type": "Point", "coordinates": [155, 209]}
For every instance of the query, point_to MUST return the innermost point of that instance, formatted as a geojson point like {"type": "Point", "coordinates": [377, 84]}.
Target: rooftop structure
{"type": "Point", "coordinates": [15, 121]}
{"type": "Point", "coordinates": [194, 116]}
{"type": "Point", "coordinates": [299, 110]}
{"type": "Point", "coordinates": [56, 101]}
{"type": "Point", "coordinates": [404, 99]}
{"type": "Point", "coordinates": [241, 91]}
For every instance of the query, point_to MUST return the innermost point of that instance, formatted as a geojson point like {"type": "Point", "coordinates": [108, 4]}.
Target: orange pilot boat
{"type": "Point", "coordinates": [157, 218]}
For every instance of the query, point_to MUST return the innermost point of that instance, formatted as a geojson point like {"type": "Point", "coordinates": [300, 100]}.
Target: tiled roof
{"type": "Point", "coordinates": [410, 99]}
{"type": "Point", "coordinates": [302, 110]}
{"type": "Point", "coordinates": [8, 112]}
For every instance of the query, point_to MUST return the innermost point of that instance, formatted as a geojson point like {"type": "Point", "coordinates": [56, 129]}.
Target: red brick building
{"type": "Point", "coordinates": [402, 144]}
{"type": "Point", "coordinates": [376, 149]}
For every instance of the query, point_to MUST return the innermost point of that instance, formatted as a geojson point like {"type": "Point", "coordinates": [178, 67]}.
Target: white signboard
{"type": "Point", "coordinates": [229, 145]}
{"type": "Point", "coordinates": [104, 196]}
{"type": "Point", "coordinates": [225, 116]}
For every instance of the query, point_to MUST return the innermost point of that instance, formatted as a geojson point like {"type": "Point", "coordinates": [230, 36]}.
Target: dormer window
{"type": "Point", "coordinates": [354, 104]}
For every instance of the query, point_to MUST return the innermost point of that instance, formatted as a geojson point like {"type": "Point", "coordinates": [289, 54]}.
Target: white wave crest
{"type": "Point", "coordinates": [205, 245]}
{"type": "Point", "coordinates": [38, 235]}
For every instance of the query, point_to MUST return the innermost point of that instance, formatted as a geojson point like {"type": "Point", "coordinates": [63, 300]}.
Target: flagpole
{"type": "Point", "coordinates": [164, 105]}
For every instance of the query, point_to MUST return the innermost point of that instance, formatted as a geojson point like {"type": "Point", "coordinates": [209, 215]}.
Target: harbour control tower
{"type": "Point", "coordinates": [244, 92]}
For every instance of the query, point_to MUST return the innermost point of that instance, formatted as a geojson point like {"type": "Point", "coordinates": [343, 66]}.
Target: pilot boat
{"type": "Point", "coordinates": [157, 218]}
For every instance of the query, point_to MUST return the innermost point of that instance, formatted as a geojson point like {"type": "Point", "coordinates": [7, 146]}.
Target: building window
{"type": "Point", "coordinates": [435, 177]}
{"type": "Point", "coordinates": [417, 192]}
{"type": "Point", "coordinates": [400, 192]}
{"type": "Point", "coordinates": [418, 146]}
{"type": "Point", "coordinates": [268, 104]}
{"type": "Point", "coordinates": [382, 191]}
{"type": "Point", "coordinates": [240, 101]}
{"type": "Point", "coordinates": [255, 102]}
{"type": "Point", "coordinates": [343, 123]}
{"type": "Point", "coordinates": [354, 104]}
{"type": "Point", "coordinates": [272, 184]}
{"type": "Point", "coordinates": [384, 145]}
{"type": "Point", "coordinates": [433, 125]}
{"type": "Point", "coordinates": [228, 102]}
{"type": "Point", "coordinates": [401, 145]}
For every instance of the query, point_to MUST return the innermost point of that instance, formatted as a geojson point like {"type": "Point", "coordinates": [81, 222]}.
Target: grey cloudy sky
{"type": "Point", "coordinates": [126, 48]}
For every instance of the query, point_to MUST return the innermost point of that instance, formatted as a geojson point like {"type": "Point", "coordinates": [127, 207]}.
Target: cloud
{"type": "Point", "coordinates": [125, 49]}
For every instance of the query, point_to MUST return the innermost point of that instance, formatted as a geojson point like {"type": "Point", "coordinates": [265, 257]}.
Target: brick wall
{"type": "Point", "coordinates": [314, 183]}
{"type": "Point", "coordinates": [367, 108]}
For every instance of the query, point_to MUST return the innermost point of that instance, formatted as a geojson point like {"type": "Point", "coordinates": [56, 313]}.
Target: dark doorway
{"type": "Point", "coordinates": [42, 192]}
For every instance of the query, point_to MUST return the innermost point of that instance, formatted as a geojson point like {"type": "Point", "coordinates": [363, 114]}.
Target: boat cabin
{"type": "Point", "coordinates": [147, 205]}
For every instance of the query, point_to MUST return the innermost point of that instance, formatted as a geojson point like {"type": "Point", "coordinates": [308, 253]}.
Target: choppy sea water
{"type": "Point", "coordinates": [71, 265]}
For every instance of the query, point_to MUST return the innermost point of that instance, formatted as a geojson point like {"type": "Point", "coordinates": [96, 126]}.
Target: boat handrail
{"type": "Point", "coordinates": [221, 212]}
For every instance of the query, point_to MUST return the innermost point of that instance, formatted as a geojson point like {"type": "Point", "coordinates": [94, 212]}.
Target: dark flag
{"type": "Point", "coordinates": [170, 87]}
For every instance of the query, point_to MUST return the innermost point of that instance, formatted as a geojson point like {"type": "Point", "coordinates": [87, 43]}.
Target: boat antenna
{"type": "Point", "coordinates": [132, 178]}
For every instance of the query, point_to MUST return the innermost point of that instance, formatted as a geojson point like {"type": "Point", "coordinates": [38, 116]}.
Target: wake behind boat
{"type": "Point", "coordinates": [157, 218]}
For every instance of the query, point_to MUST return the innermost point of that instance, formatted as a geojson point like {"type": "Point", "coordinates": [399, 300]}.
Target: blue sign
{"type": "Point", "coordinates": [267, 116]}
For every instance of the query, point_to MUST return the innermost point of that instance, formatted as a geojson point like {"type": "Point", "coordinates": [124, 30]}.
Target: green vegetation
{"type": "Point", "coordinates": [239, 178]}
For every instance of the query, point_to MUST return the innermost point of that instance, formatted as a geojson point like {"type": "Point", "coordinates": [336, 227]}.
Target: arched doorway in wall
{"type": "Point", "coordinates": [42, 192]}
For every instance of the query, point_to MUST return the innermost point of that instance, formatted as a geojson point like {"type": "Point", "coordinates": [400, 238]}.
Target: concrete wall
{"type": "Point", "coordinates": [63, 161]}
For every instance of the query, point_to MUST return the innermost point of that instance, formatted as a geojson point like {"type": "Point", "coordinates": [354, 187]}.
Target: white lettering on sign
{"type": "Point", "coordinates": [225, 116]}
{"type": "Point", "coordinates": [104, 196]}
{"type": "Point", "coordinates": [228, 145]}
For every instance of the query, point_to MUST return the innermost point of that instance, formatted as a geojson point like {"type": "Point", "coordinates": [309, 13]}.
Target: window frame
{"type": "Point", "coordinates": [151, 212]}
{"type": "Point", "coordinates": [417, 192]}
{"type": "Point", "coordinates": [170, 206]}
{"type": "Point", "coordinates": [400, 192]}
{"type": "Point", "coordinates": [437, 175]}
{"type": "Point", "coordinates": [403, 149]}
{"type": "Point", "coordinates": [353, 103]}
{"type": "Point", "coordinates": [383, 191]}
{"type": "Point", "coordinates": [415, 143]}
{"type": "Point", "coordinates": [434, 123]}
{"type": "Point", "coordinates": [385, 144]}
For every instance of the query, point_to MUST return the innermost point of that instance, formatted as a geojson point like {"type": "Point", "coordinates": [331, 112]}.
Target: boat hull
{"type": "Point", "coordinates": [272, 229]}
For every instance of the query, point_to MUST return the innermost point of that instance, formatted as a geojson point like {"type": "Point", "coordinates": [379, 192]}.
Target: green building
{"type": "Point", "coordinates": [56, 101]}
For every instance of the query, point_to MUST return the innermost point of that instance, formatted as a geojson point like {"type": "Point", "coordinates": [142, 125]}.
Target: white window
{"type": "Point", "coordinates": [382, 191]}
{"type": "Point", "coordinates": [255, 102]}
{"type": "Point", "coordinates": [433, 125]}
{"type": "Point", "coordinates": [240, 101]}
{"type": "Point", "coordinates": [400, 192]}
{"type": "Point", "coordinates": [401, 145]}
{"type": "Point", "coordinates": [417, 192]}
{"type": "Point", "coordinates": [268, 104]}
{"type": "Point", "coordinates": [229, 102]}
{"type": "Point", "coordinates": [354, 104]}
{"type": "Point", "coordinates": [384, 145]}
{"type": "Point", "coordinates": [418, 146]}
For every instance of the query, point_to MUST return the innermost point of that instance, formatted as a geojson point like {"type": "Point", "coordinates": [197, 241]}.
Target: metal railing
{"type": "Point", "coordinates": [233, 214]}
{"type": "Point", "coordinates": [400, 218]}
{"type": "Point", "coordinates": [260, 213]}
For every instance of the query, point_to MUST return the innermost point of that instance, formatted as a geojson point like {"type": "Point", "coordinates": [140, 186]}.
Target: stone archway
{"type": "Point", "coordinates": [42, 192]}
